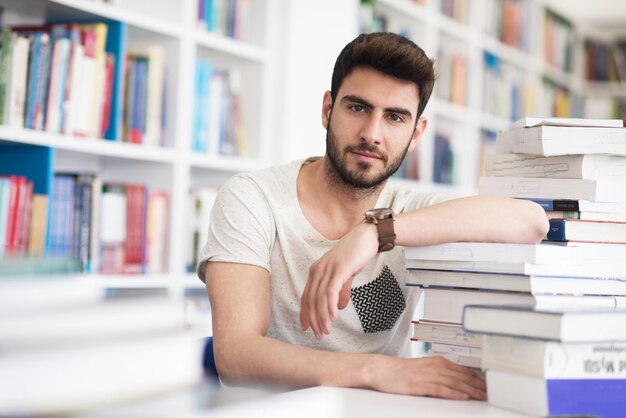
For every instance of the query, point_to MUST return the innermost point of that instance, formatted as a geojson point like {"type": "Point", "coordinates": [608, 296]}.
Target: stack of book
{"type": "Point", "coordinates": [67, 348]}
{"type": "Point", "coordinates": [576, 169]}
{"type": "Point", "coordinates": [453, 275]}
{"type": "Point", "coordinates": [553, 361]}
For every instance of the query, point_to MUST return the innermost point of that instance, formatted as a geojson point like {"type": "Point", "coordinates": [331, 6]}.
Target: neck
{"type": "Point", "coordinates": [322, 191]}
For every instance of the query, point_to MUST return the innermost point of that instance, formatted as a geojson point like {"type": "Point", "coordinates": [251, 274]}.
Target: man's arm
{"type": "Point", "coordinates": [240, 306]}
{"type": "Point", "coordinates": [470, 219]}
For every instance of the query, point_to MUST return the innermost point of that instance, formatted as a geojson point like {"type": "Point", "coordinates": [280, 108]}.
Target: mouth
{"type": "Point", "coordinates": [366, 156]}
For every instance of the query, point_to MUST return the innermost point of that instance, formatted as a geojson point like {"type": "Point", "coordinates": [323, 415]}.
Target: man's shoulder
{"type": "Point", "coordinates": [265, 179]}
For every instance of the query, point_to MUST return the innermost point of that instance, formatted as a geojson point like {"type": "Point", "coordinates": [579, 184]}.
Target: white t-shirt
{"type": "Point", "coordinates": [257, 220]}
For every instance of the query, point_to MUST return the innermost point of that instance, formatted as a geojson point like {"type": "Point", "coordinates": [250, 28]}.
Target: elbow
{"type": "Point", "coordinates": [537, 224]}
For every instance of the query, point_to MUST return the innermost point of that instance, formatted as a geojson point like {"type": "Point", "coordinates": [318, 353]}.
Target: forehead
{"type": "Point", "coordinates": [380, 89]}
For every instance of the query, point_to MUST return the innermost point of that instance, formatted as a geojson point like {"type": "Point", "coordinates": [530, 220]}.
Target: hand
{"type": "Point", "coordinates": [330, 279]}
{"type": "Point", "coordinates": [428, 376]}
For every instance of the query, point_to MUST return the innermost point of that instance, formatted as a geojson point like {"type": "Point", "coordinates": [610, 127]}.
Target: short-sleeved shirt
{"type": "Point", "coordinates": [257, 220]}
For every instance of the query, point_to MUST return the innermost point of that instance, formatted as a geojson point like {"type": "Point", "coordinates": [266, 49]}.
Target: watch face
{"type": "Point", "coordinates": [379, 213]}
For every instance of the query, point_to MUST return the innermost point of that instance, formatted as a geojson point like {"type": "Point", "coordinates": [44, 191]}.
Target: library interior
{"type": "Point", "coordinates": [132, 133]}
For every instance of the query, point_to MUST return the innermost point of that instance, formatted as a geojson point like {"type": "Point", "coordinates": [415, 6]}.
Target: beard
{"type": "Point", "coordinates": [360, 178]}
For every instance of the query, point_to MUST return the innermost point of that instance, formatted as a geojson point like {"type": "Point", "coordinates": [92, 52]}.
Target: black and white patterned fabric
{"type": "Point", "coordinates": [379, 303]}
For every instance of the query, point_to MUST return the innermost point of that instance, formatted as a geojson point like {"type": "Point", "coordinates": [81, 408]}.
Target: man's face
{"type": "Point", "coordinates": [372, 128]}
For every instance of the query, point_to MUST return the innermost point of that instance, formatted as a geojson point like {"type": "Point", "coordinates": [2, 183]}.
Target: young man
{"type": "Point", "coordinates": [305, 292]}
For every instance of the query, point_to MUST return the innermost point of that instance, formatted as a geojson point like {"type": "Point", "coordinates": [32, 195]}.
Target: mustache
{"type": "Point", "coordinates": [365, 147]}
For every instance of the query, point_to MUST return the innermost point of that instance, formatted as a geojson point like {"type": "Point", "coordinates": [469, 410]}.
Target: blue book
{"type": "Point", "coordinates": [116, 45]}
{"type": "Point", "coordinates": [34, 63]}
{"type": "Point", "coordinates": [536, 396]}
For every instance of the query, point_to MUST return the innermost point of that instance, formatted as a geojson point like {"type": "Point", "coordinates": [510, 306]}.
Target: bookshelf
{"type": "Point", "coordinates": [496, 61]}
{"type": "Point", "coordinates": [170, 165]}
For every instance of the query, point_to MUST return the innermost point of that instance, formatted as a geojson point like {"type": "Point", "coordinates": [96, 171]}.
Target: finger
{"type": "Point", "coordinates": [313, 317]}
{"type": "Point", "coordinates": [344, 295]}
{"type": "Point", "coordinates": [442, 391]}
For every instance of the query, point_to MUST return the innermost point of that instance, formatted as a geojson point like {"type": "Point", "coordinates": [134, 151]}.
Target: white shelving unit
{"type": "Point", "coordinates": [437, 33]}
{"type": "Point", "coordinates": [173, 167]}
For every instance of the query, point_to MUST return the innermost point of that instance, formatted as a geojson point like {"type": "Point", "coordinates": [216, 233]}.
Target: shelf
{"type": "Point", "coordinates": [232, 164]}
{"type": "Point", "coordinates": [229, 46]}
{"type": "Point", "coordinates": [133, 281]}
{"type": "Point", "coordinates": [606, 88]}
{"type": "Point", "coordinates": [92, 146]}
{"type": "Point", "coordinates": [409, 9]}
{"type": "Point", "coordinates": [90, 9]}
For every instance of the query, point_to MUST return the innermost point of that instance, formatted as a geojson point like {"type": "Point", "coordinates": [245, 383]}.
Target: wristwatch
{"type": "Point", "coordinates": [383, 219]}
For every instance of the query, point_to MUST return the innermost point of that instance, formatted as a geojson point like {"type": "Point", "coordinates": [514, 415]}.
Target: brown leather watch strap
{"type": "Point", "coordinates": [386, 234]}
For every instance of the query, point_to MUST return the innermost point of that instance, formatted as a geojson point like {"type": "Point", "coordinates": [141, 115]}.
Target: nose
{"type": "Point", "coordinates": [372, 129]}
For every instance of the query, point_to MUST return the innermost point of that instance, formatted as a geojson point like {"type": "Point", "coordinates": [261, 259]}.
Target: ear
{"type": "Point", "coordinates": [417, 133]}
{"type": "Point", "coordinates": [327, 105]}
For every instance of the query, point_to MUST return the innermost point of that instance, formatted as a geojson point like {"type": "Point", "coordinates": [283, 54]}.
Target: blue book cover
{"type": "Point", "coordinates": [604, 398]}
{"type": "Point", "coordinates": [557, 230]}
{"type": "Point", "coordinates": [116, 45]}
{"type": "Point", "coordinates": [34, 63]}
{"type": "Point", "coordinates": [30, 161]}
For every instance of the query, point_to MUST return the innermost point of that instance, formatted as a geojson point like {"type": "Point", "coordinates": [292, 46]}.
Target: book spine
{"type": "Point", "coordinates": [557, 231]}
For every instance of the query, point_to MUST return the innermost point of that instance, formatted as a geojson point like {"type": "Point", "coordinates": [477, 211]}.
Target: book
{"type": "Point", "coordinates": [505, 267]}
{"type": "Point", "coordinates": [562, 140]}
{"type": "Point", "coordinates": [97, 374]}
{"type": "Point", "coordinates": [554, 360]}
{"type": "Point", "coordinates": [536, 396]}
{"type": "Point", "coordinates": [603, 190]}
{"type": "Point", "coordinates": [96, 322]}
{"type": "Point", "coordinates": [528, 122]}
{"type": "Point", "coordinates": [580, 205]}
{"type": "Point", "coordinates": [535, 284]}
{"type": "Point", "coordinates": [587, 216]}
{"type": "Point", "coordinates": [444, 332]}
{"type": "Point", "coordinates": [586, 166]}
{"type": "Point", "coordinates": [501, 252]}
{"type": "Point", "coordinates": [458, 358]}
{"type": "Point", "coordinates": [587, 231]}
{"type": "Point", "coordinates": [36, 293]}
{"type": "Point", "coordinates": [447, 305]}
{"type": "Point", "coordinates": [549, 321]}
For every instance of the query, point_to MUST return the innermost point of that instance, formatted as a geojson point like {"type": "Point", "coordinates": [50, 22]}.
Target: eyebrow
{"type": "Point", "coordinates": [356, 99]}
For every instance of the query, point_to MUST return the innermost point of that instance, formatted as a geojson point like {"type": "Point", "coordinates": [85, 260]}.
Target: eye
{"type": "Point", "coordinates": [395, 117]}
{"type": "Point", "coordinates": [357, 108]}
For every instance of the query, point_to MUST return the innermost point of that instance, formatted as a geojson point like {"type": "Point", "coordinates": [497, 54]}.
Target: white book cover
{"type": "Point", "coordinates": [562, 140]}
{"type": "Point", "coordinates": [104, 321]}
{"type": "Point", "coordinates": [589, 319]}
{"type": "Point", "coordinates": [68, 379]}
{"type": "Point", "coordinates": [446, 305]}
{"type": "Point", "coordinates": [444, 332]}
{"type": "Point", "coordinates": [554, 360]}
{"type": "Point", "coordinates": [16, 87]}
{"type": "Point", "coordinates": [528, 122]}
{"type": "Point", "coordinates": [585, 166]}
{"type": "Point", "coordinates": [535, 284]}
{"type": "Point", "coordinates": [504, 267]}
{"type": "Point", "coordinates": [603, 190]}
{"type": "Point", "coordinates": [500, 252]}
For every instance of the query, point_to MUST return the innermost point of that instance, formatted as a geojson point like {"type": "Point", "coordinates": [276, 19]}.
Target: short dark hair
{"type": "Point", "coordinates": [391, 54]}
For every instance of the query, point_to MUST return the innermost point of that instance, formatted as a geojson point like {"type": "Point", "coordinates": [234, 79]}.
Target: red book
{"type": "Point", "coordinates": [24, 228]}
{"type": "Point", "coordinates": [135, 228]}
{"type": "Point", "coordinates": [14, 218]}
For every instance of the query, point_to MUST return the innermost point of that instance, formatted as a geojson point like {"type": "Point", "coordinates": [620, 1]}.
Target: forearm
{"type": "Point", "coordinates": [263, 360]}
{"type": "Point", "coordinates": [475, 219]}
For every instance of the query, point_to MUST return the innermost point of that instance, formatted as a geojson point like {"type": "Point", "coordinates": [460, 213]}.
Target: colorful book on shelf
{"type": "Point", "coordinates": [602, 190]}
{"type": "Point", "coordinates": [585, 166]}
{"type": "Point", "coordinates": [536, 396]}
{"type": "Point", "coordinates": [5, 191]}
{"type": "Point", "coordinates": [562, 140]}
{"type": "Point", "coordinates": [535, 284]}
{"type": "Point", "coordinates": [5, 58]}
{"type": "Point", "coordinates": [446, 305]}
{"type": "Point", "coordinates": [554, 360]}
{"type": "Point", "coordinates": [17, 81]}
{"type": "Point", "coordinates": [587, 231]}
{"type": "Point", "coordinates": [581, 322]}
